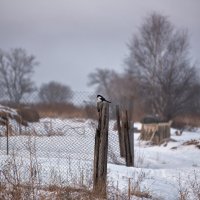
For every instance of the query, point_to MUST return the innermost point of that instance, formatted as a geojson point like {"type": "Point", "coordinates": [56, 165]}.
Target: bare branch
{"type": "Point", "coordinates": [159, 58]}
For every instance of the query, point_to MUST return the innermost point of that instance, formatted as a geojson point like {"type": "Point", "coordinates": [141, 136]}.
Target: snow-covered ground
{"type": "Point", "coordinates": [67, 146]}
{"type": "Point", "coordinates": [165, 169]}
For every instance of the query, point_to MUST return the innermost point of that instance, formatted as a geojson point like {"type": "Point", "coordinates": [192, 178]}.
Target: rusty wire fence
{"type": "Point", "coordinates": [52, 142]}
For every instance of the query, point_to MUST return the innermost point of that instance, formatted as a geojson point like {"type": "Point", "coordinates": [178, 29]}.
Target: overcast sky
{"type": "Point", "coordinates": [71, 38]}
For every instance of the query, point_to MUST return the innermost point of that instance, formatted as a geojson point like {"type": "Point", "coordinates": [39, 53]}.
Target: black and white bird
{"type": "Point", "coordinates": [100, 99]}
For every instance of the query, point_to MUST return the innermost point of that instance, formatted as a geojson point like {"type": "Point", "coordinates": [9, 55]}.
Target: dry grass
{"type": "Point", "coordinates": [59, 193]}
{"type": "Point", "coordinates": [194, 142]}
{"type": "Point", "coordinates": [21, 178]}
{"type": "Point", "coordinates": [32, 112]}
{"type": "Point", "coordinates": [135, 186]}
{"type": "Point", "coordinates": [191, 142]}
{"type": "Point", "coordinates": [189, 189]}
{"type": "Point", "coordinates": [66, 111]}
{"type": "Point", "coordinates": [50, 192]}
{"type": "Point", "coordinates": [182, 122]}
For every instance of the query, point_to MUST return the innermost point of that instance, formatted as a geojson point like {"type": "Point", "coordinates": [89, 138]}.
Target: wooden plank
{"type": "Point", "coordinates": [156, 132]}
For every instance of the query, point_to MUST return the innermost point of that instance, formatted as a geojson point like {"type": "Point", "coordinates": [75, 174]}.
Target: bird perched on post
{"type": "Point", "coordinates": [100, 99]}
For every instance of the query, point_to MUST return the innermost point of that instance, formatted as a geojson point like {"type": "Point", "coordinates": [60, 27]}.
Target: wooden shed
{"type": "Point", "coordinates": [156, 132]}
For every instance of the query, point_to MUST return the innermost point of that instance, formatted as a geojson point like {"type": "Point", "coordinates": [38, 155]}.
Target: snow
{"type": "Point", "coordinates": [67, 146]}
{"type": "Point", "coordinates": [163, 166]}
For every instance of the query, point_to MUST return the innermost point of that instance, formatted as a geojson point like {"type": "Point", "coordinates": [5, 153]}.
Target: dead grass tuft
{"type": "Point", "coordinates": [141, 194]}
{"type": "Point", "coordinates": [194, 142]}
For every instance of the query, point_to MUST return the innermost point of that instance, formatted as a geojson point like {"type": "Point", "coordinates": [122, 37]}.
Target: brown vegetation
{"type": "Point", "coordinates": [6, 114]}
{"type": "Point", "coordinates": [28, 114]}
{"type": "Point", "coordinates": [186, 121]}
{"type": "Point", "coordinates": [194, 142]}
{"type": "Point", "coordinates": [66, 110]}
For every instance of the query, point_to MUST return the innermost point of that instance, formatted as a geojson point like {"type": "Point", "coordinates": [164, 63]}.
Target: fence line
{"type": "Point", "coordinates": [58, 139]}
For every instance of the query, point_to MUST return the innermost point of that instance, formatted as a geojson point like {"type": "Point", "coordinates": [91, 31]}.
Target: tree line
{"type": "Point", "coordinates": [159, 76]}
{"type": "Point", "coordinates": [16, 71]}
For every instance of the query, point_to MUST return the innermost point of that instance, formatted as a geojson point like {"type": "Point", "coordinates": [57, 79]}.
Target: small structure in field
{"type": "Point", "coordinates": [155, 131]}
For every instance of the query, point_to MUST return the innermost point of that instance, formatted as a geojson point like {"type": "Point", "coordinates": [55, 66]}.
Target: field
{"type": "Point", "coordinates": [59, 152]}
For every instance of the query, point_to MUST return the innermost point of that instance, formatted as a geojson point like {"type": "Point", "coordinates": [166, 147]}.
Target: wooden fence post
{"type": "Point", "coordinates": [128, 143]}
{"type": "Point", "coordinates": [7, 135]}
{"type": "Point", "coordinates": [132, 148]}
{"type": "Point", "coordinates": [120, 133]}
{"type": "Point", "coordinates": [101, 151]}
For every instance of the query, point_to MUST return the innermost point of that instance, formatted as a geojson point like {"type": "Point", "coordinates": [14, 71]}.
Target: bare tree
{"type": "Point", "coordinates": [122, 86]}
{"type": "Point", "coordinates": [159, 58]}
{"type": "Point", "coordinates": [16, 70]}
{"type": "Point", "coordinates": [121, 89]}
{"type": "Point", "coordinates": [54, 92]}
{"type": "Point", "coordinates": [101, 79]}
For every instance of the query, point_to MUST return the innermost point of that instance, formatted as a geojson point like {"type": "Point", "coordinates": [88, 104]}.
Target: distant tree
{"type": "Point", "coordinates": [16, 70]}
{"type": "Point", "coordinates": [121, 89]}
{"type": "Point", "coordinates": [159, 59]}
{"type": "Point", "coordinates": [101, 79]}
{"type": "Point", "coordinates": [54, 92]}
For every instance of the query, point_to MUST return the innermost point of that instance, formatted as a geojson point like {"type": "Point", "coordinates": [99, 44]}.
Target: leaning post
{"type": "Point", "coordinates": [7, 135]}
{"type": "Point", "coordinates": [120, 133]}
{"type": "Point", "coordinates": [129, 151]}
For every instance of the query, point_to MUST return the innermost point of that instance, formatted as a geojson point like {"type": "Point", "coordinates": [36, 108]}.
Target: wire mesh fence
{"type": "Point", "coordinates": [52, 142]}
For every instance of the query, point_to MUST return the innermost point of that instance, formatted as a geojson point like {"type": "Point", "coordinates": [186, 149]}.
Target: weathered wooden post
{"type": "Point", "coordinates": [128, 144]}
{"type": "Point", "coordinates": [131, 126]}
{"type": "Point", "coordinates": [7, 135]}
{"type": "Point", "coordinates": [120, 133]}
{"type": "Point", "coordinates": [131, 134]}
{"type": "Point", "coordinates": [101, 151]}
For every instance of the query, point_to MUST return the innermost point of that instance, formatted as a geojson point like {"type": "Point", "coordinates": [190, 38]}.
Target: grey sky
{"type": "Point", "coordinates": [70, 38]}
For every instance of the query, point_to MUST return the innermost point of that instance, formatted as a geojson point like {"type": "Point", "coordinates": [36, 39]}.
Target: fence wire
{"type": "Point", "coordinates": [59, 141]}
